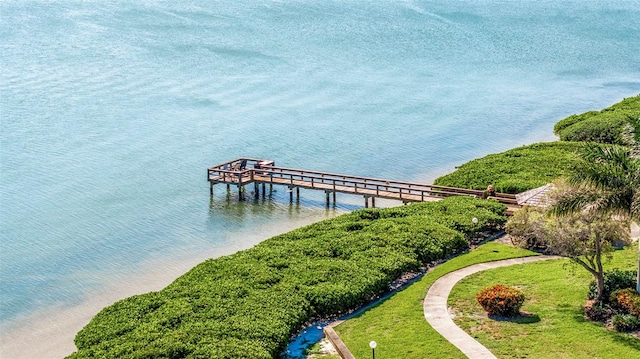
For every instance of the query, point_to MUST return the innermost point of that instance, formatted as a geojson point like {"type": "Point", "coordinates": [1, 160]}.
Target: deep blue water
{"type": "Point", "coordinates": [111, 111]}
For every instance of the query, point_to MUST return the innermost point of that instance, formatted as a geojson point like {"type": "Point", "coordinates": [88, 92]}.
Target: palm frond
{"type": "Point", "coordinates": [629, 138]}
{"type": "Point", "coordinates": [602, 166]}
{"type": "Point", "coordinates": [606, 180]}
{"type": "Point", "coordinates": [618, 203]}
{"type": "Point", "coordinates": [572, 200]}
{"type": "Point", "coordinates": [635, 208]}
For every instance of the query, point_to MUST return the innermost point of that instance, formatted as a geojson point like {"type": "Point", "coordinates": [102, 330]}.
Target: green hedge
{"type": "Point", "coordinates": [528, 167]}
{"type": "Point", "coordinates": [247, 305]}
{"type": "Point", "coordinates": [604, 126]}
{"type": "Point", "coordinates": [515, 170]}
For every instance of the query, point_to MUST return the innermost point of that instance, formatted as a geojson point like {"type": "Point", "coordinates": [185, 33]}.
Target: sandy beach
{"type": "Point", "coordinates": [111, 113]}
{"type": "Point", "coordinates": [49, 334]}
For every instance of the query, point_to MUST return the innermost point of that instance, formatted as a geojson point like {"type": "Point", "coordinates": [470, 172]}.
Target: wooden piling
{"type": "Point", "coordinates": [237, 173]}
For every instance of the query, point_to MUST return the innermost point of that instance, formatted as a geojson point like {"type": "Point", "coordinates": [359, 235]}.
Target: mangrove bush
{"type": "Point", "coordinates": [248, 305]}
{"type": "Point", "coordinates": [515, 170]}
{"type": "Point", "coordinates": [606, 126]}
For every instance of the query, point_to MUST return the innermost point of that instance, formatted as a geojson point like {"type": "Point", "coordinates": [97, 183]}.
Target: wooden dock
{"type": "Point", "coordinates": [242, 172]}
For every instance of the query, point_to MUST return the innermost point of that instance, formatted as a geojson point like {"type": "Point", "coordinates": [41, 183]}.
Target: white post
{"type": "Point", "coordinates": [635, 236]}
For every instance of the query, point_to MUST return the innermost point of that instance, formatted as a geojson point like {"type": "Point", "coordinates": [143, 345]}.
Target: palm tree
{"type": "Point", "coordinates": [607, 181]}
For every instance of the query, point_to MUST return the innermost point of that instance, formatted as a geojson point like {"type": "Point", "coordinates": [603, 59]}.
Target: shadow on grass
{"type": "Point", "coordinates": [572, 311]}
{"type": "Point", "coordinates": [628, 340]}
{"type": "Point", "coordinates": [522, 318]}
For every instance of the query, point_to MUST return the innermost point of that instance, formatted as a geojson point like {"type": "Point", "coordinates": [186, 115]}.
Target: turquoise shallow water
{"type": "Point", "coordinates": [110, 113]}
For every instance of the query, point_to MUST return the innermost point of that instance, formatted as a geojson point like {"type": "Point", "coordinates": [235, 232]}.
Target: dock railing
{"type": "Point", "coordinates": [244, 171]}
{"type": "Point", "coordinates": [238, 172]}
{"type": "Point", "coordinates": [334, 182]}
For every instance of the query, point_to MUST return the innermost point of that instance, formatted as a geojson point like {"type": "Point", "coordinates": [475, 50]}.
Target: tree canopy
{"type": "Point", "coordinates": [586, 238]}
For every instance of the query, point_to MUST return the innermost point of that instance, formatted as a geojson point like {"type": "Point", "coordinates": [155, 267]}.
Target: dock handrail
{"type": "Point", "coordinates": [365, 183]}
{"type": "Point", "coordinates": [265, 171]}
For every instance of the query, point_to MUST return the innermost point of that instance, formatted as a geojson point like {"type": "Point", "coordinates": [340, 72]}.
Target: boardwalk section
{"type": "Point", "coordinates": [246, 171]}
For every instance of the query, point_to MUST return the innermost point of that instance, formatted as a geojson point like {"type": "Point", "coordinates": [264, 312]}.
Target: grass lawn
{"type": "Point", "coordinates": [398, 324]}
{"type": "Point", "coordinates": [555, 326]}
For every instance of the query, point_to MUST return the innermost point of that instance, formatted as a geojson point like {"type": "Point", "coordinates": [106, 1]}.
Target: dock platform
{"type": "Point", "coordinates": [242, 172]}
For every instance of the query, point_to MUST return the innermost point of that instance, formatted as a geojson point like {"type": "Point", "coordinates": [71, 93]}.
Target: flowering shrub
{"type": "Point", "coordinates": [622, 309]}
{"type": "Point", "coordinates": [613, 280]}
{"type": "Point", "coordinates": [501, 300]}
{"type": "Point", "coordinates": [628, 300]}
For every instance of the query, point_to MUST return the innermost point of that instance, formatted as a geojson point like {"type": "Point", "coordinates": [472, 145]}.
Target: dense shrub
{"type": "Point", "coordinates": [625, 322]}
{"type": "Point", "coordinates": [619, 299]}
{"type": "Point", "coordinates": [598, 312]}
{"type": "Point", "coordinates": [601, 128]}
{"type": "Point", "coordinates": [627, 300]}
{"type": "Point", "coordinates": [247, 305]}
{"type": "Point", "coordinates": [516, 170]}
{"type": "Point", "coordinates": [572, 120]}
{"type": "Point", "coordinates": [501, 300]}
{"type": "Point", "coordinates": [604, 126]}
{"type": "Point", "coordinates": [613, 280]}
{"type": "Point", "coordinates": [526, 228]}
{"type": "Point", "coordinates": [532, 166]}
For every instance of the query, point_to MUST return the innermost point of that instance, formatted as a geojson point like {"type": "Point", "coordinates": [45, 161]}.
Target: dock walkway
{"type": "Point", "coordinates": [245, 171]}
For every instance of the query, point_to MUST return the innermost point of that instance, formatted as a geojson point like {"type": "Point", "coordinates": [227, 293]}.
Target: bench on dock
{"type": "Point", "coordinates": [244, 171]}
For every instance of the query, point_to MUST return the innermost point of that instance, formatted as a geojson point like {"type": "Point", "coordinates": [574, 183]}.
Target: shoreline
{"type": "Point", "coordinates": [22, 337]}
{"type": "Point", "coordinates": [50, 332]}
{"type": "Point", "coordinates": [62, 323]}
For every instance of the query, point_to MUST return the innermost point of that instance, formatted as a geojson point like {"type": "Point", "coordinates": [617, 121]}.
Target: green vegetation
{"type": "Point", "coordinates": [586, 238]}
{"type": "Point", "coordinates": [625, 322]}
{"type": "Point", "coordinates": [606, 180]}
{"type": "Point", "coordinates": [516, 170]}
{"type": "Point", "coordinates": [606, 126]}
{"type": "Point", "coordinates": [398, 324]}
{"type": "Point", "coordinates": [555, 326]}
{"type": "Point", "coordinates": [316, 351]}
{"type": "Point", "coordinates": [528, 167]}
{"type": "Point", "coordinates": [613, 280]}
{"type": "Point", "coordinates": [248, 304]}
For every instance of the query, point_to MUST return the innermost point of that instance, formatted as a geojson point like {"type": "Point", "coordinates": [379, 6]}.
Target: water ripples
{"type": "Point", "coordinates": [111, 112]}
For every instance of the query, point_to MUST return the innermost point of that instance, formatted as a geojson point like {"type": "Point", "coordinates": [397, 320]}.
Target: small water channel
{"type": "Point", "coordinates": [313, 333]}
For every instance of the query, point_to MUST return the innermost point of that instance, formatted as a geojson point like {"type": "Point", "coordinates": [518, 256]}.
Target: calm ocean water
{"type": "Point", "coordinates": [111, 111]}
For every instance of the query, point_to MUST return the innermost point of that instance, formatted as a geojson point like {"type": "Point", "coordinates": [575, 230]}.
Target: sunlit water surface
{"type": "Point", "coordinates": [111, 111]}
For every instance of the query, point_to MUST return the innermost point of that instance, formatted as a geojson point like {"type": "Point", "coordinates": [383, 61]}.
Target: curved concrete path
{"type": "Point", "coordinates": [437, 314]}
